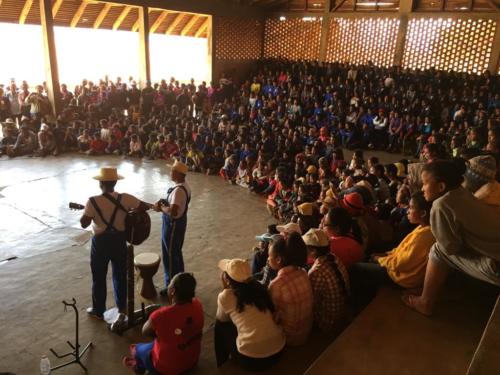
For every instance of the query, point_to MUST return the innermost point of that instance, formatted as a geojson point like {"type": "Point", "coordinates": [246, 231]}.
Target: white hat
{"type": "Point", "coordinates": [180, 167]}
{"type": "Point", "coordinates": [108, 174]}
{"type": "Point", "coordinates": [289, 228]}
{"type": "Point", "coordinates": [237, 269]}
{"type": "Point", "coordinates": [9, 121]}
{"type": "Point", "coordinates": [316, 237]}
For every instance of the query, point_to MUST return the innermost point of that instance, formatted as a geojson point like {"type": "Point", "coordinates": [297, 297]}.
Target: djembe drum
{"type": "Point", "coordinates": [147, 265]}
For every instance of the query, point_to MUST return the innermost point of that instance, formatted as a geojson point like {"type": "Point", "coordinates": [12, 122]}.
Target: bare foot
{"type": "Point", "coordinates": [418, 304]}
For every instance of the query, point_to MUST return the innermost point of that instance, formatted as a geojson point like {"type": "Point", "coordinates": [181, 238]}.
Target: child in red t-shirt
{"type": "Point", "coordinates": [97, 145]}
{"type": "Point", "coordinates": [178, 330]}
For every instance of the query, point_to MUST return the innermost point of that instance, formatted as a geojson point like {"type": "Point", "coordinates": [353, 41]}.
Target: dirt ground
{"type": "Point", "coordinates": [51, 254]}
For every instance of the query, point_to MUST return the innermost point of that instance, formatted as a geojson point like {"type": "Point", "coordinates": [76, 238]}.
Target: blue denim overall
{"type": "Point", "coordinates": [109, 246]}
{"type": "Point", "coordinates": [173, 231]}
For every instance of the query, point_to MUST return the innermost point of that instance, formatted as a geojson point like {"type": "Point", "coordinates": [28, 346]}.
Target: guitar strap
{"type": "Point", "coordinates": [109, 225]}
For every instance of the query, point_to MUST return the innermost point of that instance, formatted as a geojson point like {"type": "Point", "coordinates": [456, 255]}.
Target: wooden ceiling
{"type": "Point", "coordinates": [115, 16]}
{"type": "Point", "coordinates": [99, 15]}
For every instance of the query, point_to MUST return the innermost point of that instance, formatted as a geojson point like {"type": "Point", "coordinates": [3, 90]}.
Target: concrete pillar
{"type": "Point", "coordinates": [401, 39]}
{"type": "Point", "coordinates": [144, 57]}
{"type": "Point", "coordinates": [495, 52]}
{"type": "Point", "coordinates": [49, 49]}
{"type": "Point", "coordinates": [325, 30]}
{"type": "Point", "coordinates": [405, 8]}
{"type": "Point", "coordinates": [211, 50]}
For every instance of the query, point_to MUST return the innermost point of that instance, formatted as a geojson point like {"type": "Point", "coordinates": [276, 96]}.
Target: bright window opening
{"type": "Point", "coordinates": [93, 54]}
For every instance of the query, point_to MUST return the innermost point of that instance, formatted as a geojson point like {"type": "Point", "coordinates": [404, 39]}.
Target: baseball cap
{"type": "Point", "coordinates": [305, 209]}
{"type": "Point", "coordinates": [316, 237]}
{"type": "Point", "coordinates": [237, 269]}
{"type": "Point", "coordinates": [268, 237]}
{"type": "Point", "coordinates": [289, 228]}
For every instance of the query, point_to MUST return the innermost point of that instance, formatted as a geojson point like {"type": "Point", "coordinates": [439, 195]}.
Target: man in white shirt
{"type": "Point", "coordinates": [109, 242]}
{"type": "Point", "coordinates": [174, 222]}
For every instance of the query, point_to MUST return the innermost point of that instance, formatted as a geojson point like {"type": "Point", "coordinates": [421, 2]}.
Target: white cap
{"type": "Point", "coordinates": [316, 237]}
{"type": "Point", "coordinates": [237, 269]}
{"type": "Point", "coordinates": [289, 228]}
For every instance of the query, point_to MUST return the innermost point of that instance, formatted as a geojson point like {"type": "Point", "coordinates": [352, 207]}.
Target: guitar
{"type": "Point", "coordinates": [137, 224]}
{"type": "Point", "coordinates": [130, 275]}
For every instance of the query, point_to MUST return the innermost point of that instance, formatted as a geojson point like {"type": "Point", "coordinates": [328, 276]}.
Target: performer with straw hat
{"type": "Point", "coordinates": [174, 222]}
{"type": "Point", "coordinates": [109, 241]}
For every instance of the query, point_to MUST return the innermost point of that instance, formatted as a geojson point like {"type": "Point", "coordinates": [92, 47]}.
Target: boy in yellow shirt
{"type": "Point", "coordinates": [404, 266]}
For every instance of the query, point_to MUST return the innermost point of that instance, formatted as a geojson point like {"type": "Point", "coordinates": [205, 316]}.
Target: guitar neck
{"type": "Point", "coordinates": [76, 206]}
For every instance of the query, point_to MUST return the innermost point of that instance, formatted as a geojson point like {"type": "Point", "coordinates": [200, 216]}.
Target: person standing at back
{"type": "Point", "coordinates": [174, 222]}
{"type": "Point", "coordinates": [109, 243]}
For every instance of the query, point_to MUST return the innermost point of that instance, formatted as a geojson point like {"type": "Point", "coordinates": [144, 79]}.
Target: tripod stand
{"type": "Point", "coordinates": [76, 348]}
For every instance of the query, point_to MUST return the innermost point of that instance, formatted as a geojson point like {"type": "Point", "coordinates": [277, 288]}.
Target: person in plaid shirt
{"type": "Point", "coordinates": [291, 290]}
{"type": "Point", "coordinates": [329, 281]}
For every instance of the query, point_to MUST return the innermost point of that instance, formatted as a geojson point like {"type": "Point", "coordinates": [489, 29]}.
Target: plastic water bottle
{"type": "Point", "coordinates": [45, 365]}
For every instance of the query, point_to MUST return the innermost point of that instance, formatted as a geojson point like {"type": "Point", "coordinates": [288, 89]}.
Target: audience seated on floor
{"type": "Point", "coordinates": [281, 133]}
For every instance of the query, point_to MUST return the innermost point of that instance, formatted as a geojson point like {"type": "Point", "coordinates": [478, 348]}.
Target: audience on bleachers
{"type": "Point", "coordinates": [281, 134]}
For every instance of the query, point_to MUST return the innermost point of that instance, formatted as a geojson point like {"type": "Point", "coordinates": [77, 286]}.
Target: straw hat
{"type": "Point", "coordinates": [180, 167]}
{"type": "Point", "coordinates": [9, 121]}
{"type": "Point", "coordinates": [108, 174]}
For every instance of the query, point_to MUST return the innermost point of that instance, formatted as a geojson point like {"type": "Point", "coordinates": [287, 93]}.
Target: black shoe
{"type": "Point", "coordinates": [92, 313]}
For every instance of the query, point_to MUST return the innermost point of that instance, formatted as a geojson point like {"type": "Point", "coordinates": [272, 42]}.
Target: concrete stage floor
{"type": "Point", "coordinates": [52, 253]}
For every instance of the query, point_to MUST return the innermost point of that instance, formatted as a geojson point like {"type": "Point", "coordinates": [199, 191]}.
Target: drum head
{"type": "Point", "coordinates": [146, 259]}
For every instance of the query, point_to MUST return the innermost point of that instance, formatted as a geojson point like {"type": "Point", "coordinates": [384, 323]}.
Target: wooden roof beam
{"type": "Point", "coordinates": [121, 17]}
{"type": "Point", "coordinates": [102, 15]}
{"type": "Point", "coordinates": [174, 24]}
{"type": "Point", "coordinates": [56, 7]}
{"type": "Point", "coordinates": [274, 3]}
{"type": "Point", "coordinates": [337, 6]}
{"type": "Point", "coordinates": [158, 21]}
{"type": "Point", "coordinates": [212, 7]}
{"type": "Point", "coordinates": [135, 26]}
{"type": "Point", "coordinates": [202, 28]}
{"type": "Point", "coordinates": [78, 14]}
{"type": "Point", "coordinates": [25, 11]}
{"type": "Point", "coordinates": [189, 25]}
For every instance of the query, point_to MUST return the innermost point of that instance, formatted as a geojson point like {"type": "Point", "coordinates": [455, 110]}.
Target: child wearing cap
{"type": "Point", "coordinates": [177, 329]}
{"type": "Point", "coordinates": [261, 251]}
{"type": "Point", "coordinates": [329, 282]}
{"type": "Point", "coordinates": [244, 327]}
